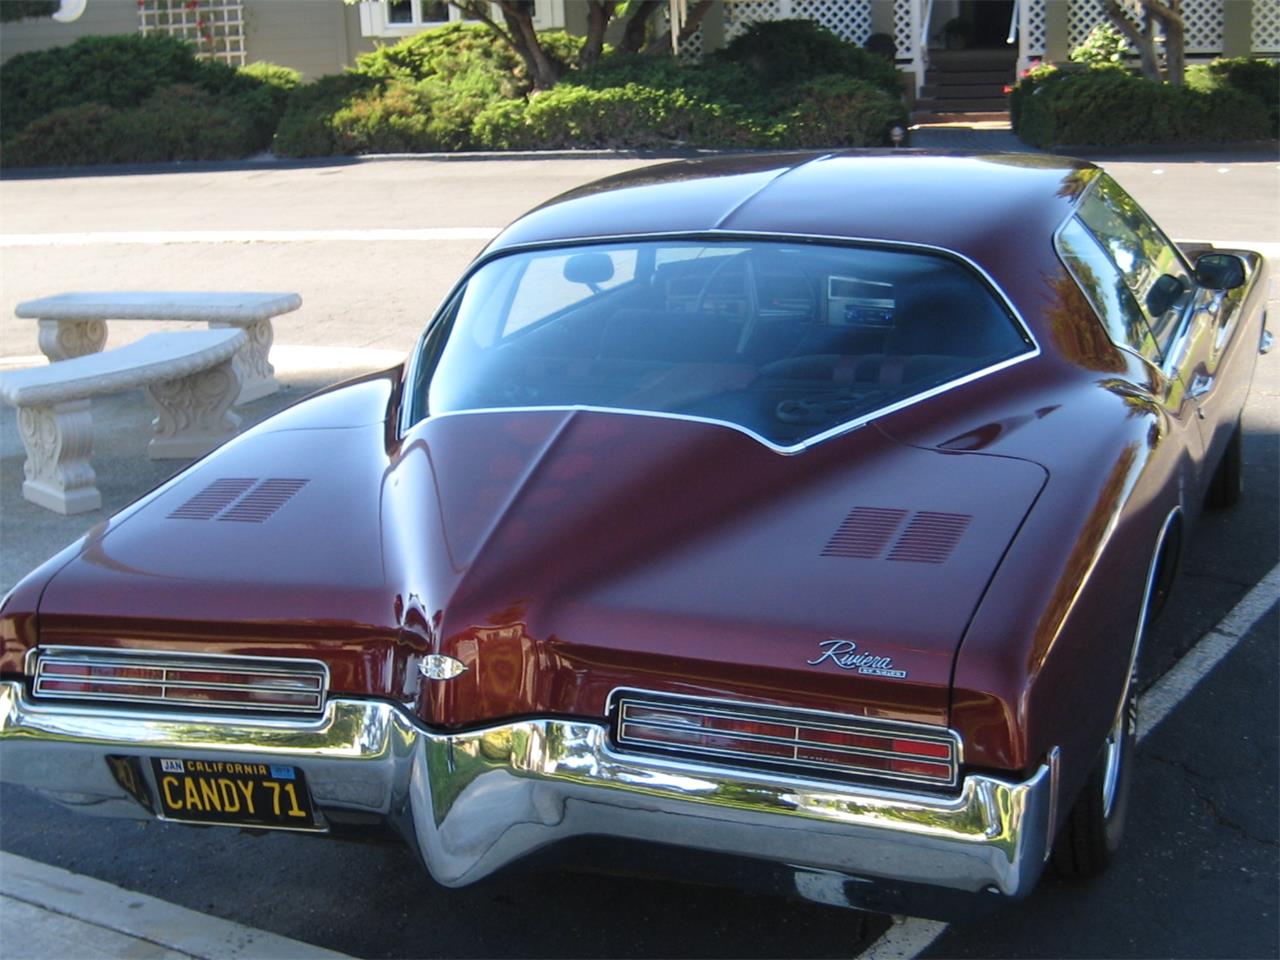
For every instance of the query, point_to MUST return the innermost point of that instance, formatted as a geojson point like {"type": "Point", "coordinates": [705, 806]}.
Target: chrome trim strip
{"type": "Point", "coordinates": [475, 801]}
{"type": "Point", "coordinates": [411, 366]}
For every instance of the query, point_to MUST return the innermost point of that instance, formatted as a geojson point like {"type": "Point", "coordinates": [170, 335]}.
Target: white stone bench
{"type": "Point", "coordinates": [75, 324]}
{"type": "Point", "coordinates": [189, 375]}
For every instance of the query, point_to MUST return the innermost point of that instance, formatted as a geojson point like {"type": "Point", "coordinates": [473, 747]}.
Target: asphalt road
{"type": "Point", "coordinates": [1198, 876]}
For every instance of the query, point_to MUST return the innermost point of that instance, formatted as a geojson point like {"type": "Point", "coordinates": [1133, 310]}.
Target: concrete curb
{"type": "Point", "coordinates": [50, 909]}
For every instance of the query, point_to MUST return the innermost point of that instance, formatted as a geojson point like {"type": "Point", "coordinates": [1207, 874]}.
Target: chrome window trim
{"type": "Point", "coordinates": [285, 667]}
{"type": "Point", "coordinates": [1178, 341]}
{"type": "Point", "coordinates": [404, 424]}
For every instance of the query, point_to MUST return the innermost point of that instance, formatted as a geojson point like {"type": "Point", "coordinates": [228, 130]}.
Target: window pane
{"type": "Point", "coordinates": [435, 11]}
{"type": "Point", "coordinates": [785, 340]}
{"type": "Point", "coordinates": [1106, 289]}
{"type": "Point", "coordinates": [1143, 254]}
{"type": "Point", "coordinates": [399, 11]}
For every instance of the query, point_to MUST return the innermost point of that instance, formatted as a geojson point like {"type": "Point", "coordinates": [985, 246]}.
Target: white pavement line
{"type": "Point", "coordinates": [910, 938]}
{"type": "Point", "coordinates": [1175, 685]}
{"type": "Point", "coordinates": [156, 237]}
{"type": "Point", "coordinates": [136, 915]}
{"type": "Point", "coordinates": [905, 940]}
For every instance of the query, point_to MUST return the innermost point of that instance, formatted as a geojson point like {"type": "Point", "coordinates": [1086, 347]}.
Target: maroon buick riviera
{"type": "Point", "coordinates": [804, 511]}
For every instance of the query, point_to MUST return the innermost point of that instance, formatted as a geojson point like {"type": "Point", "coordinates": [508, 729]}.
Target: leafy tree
{"type": "Point", "coordinates": [515, 27]}
{"type": "Point", "coordinates": [1162, 15]}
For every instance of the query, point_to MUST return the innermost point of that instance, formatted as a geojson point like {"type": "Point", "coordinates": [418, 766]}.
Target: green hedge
{"type": "Point", "coordinates": [1111, 107]}
{"type": "Point", "coordinates": [131, 98]}
{"type": "Point", "coordinates": [178, 122]}
{"type": "Point", "coordinates": [460, 88]}
{"type": "Point", "coordinates": [138, 99]}
{"type": "Point", "coordinates": [1256, 78]}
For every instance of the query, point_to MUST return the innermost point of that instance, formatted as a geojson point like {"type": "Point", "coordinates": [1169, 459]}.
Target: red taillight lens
{"type": "Point", "coordinates": [840, 744]}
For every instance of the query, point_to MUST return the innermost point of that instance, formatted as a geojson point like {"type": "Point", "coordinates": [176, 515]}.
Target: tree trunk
{"type": "Point", "coordinates": [637, 26]}
{"type": "Point", "coordinates": [1175, 41]}
{"type": "Point", "coordinates": [599, 13]}
{"type": "Point", "coordinates": [1143, 39]}
{"type": "Point", "coordinates": [544, 70]}
{"type": "Point", "coordinates": [663, 42]}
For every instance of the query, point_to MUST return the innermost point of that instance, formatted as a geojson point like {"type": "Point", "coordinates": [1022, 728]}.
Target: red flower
{"type": "Point", "coordinates": [200, 24]}
{"type": "Point", "coordinates": [1008, 89]}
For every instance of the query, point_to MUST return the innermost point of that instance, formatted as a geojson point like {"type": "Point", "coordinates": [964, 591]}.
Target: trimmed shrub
{"type": "Point", "coordinates": [779, 53]}
{"type": "Point", "coordinates": [178, 122]}
{"type": "Point", "coordinates": [1255, 78]}
{"type": "Point", "coordinates": [841, 111]}
{"type": "Point", "coordinates": [129, 73]}
{"type": "Point", "coordinates": [116, 71]}
{"type": "Point", "coordinates": [306, 128]}
{"type": "Point", "coordinates": [1111, 107]}
{"type": "Point", "coordinates": [628, 116]}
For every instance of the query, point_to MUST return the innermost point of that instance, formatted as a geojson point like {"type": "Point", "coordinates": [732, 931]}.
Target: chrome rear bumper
{"type": "Point", "coordinates": [474, 802]}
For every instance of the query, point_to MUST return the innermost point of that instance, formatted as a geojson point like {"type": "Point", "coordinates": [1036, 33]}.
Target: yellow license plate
{"type": "Point", "coordinates": [242, 794]}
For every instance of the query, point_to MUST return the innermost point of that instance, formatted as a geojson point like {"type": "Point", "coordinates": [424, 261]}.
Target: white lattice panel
{"type": "Point", "coordinates": [1031, 30]}
{"type": "Point", "coordinates": [691, 49]}
{"type": "Point", "coordinates": [904, 29]}
{"type": "Point", "coordinates": [1203, 20]}
{"type": "Point", "coordinates": [848, 19]}
{"type": "Point", "coordinates": [1084, 15]}
{"type": "Point", "coordinates": [743, 13]}
{"type": "Point", "coordinates": [215, 27]}
{"type": "Point", "coordinates": [1266, 27]}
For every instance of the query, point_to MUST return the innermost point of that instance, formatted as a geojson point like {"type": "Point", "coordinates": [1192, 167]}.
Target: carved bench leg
{"type": "Point", "coordinates": [193, 413]}
{"type": "Point", "coordinates": [257, 375]}
{"type": "Point", "coordinates": [64, 339]}
{"type": "Point", "coordinates": [59, 438]}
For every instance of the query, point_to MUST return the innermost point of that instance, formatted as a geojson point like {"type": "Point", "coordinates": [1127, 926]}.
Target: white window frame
{"type": "Point", "coordinates": [375, 18]}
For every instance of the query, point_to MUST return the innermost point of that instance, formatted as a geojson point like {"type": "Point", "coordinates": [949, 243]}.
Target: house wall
{"type": "Point", "coordinates": [101, 17]}
{"type": "Point", "coordinates": [315, 37]}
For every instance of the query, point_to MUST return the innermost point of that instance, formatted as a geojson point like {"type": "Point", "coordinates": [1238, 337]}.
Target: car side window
{"type": "Point", "coordinates": [1105, 286]}
{"type": "Point", "coordinates": [1153, 270]}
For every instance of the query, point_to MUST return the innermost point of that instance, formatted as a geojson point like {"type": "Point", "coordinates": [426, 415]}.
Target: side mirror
{"type": "Point", "coordinates": [1220, 271]}
{"type": "Point", "coordinates": [1164, 293]}
{"type": "Point", "coordinates": [591, 269]}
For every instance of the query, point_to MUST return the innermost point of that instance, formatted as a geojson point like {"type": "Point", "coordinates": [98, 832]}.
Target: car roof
{"type": "Point", "coordinates": [981, 206]}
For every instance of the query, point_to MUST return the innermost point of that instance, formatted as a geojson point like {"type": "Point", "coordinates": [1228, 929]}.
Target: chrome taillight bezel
{"type": "Point", "coordinates": [177, 679]}
{"type": "Point", "coordinates": [797, 752]}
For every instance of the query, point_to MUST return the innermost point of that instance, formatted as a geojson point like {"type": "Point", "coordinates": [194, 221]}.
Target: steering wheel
{"type": "Point", "coordinates": [751, 311]}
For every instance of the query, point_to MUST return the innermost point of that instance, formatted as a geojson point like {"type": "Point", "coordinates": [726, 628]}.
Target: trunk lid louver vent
{"type": "Point", "coordinates": [804, 742]}
{"type": "Point", "coordinates": [239, 499]}
{"type": "Point", "coordinates": [254, 684]}
{"type": "Point", "coordinates": [213, 499]}
{"type": "Point", "coordinates": [929, 537]}
{"type": "Point", "coordinates": [865, 532]}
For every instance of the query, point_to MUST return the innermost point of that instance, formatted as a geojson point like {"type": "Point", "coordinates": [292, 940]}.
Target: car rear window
{"type": "Point", "coordinates": [785, 340]}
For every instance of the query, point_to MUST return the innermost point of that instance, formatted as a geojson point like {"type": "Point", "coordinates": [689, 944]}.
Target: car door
{"type": "Point", "coordinates": [1185, 330]}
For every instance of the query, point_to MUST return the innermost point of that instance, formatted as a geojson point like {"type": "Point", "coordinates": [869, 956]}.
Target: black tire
{"type": "Point", "coordinates": [1227, 485]}
{"type": "Point", "coordinates": [1090, 836]}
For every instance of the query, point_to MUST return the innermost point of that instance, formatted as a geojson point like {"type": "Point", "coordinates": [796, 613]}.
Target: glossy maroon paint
{"type": "Point", "coordinates": [561, 554]}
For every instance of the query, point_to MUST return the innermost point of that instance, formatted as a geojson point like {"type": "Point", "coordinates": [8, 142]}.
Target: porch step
{"type": "Point", "coordinates": [962, 105]}
{"type": "Point", "coordinates": [962, 91]}
{"type": "Point", "coordinates": [961, 60]}
{"type": "Point", "coordinates": [1001, 77]}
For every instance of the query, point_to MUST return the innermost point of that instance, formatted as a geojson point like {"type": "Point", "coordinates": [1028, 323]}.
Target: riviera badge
{"type": "Point", "coordinates": [844, 654]}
